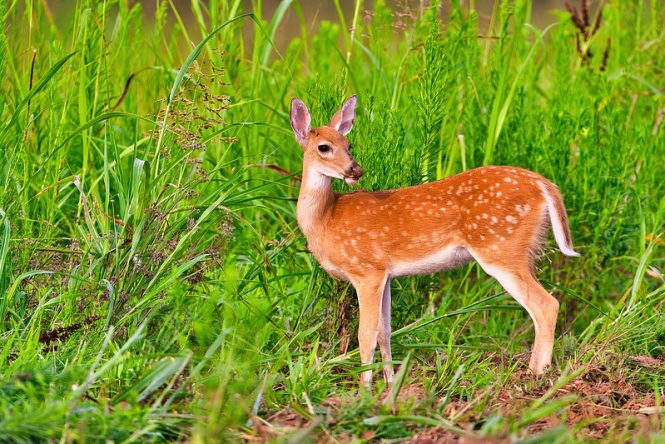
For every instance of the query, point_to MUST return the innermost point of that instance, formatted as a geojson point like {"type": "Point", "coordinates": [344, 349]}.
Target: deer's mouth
{"type": "Point", "coordinates": [352, 180]}
{"type": "Point", "coordinates": [353, 174]}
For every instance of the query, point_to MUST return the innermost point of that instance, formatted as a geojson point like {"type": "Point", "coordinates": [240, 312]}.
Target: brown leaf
{"type": "Point", "coordinates": [647, 360]}
{"type": "Point", "coordinates": [367, 434]}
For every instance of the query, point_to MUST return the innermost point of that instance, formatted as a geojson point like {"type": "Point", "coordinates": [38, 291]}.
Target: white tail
{"type": "Point", "coordinates": [493, 215]}
{"type": "Point", "coordinates": [559, 219]}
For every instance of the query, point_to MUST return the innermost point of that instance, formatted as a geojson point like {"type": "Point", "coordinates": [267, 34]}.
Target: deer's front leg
{"type": "Point", "coordinates": [384, 335]}
{"type": "Point", "coordinates": [370, 295]}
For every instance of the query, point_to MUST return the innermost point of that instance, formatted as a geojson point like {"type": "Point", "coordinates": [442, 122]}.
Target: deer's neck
{"type": "Point", "coordinates": [315, 203]}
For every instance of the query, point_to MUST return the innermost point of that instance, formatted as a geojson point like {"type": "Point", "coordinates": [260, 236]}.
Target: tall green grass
{"type": "Point", "coordinates": [153, 282]}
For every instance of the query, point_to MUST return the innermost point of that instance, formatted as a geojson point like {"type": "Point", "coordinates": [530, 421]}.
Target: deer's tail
{"type": "Point", "coordinates": [559, 218]}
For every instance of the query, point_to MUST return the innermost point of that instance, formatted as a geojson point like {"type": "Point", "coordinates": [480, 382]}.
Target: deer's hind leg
{"type": "Point", "coordinates": [518, 280]}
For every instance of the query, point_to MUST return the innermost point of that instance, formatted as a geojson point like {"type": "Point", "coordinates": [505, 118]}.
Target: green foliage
{"type": "Point", "coordinates": [153, 282]}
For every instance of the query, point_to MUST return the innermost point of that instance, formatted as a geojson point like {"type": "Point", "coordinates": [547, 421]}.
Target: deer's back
{"type": "Point", "coordinates": [479, 209]}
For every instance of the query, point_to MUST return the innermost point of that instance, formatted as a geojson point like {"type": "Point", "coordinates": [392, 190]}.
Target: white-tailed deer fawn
{"type": "Point", "coordinates": [494, 215]}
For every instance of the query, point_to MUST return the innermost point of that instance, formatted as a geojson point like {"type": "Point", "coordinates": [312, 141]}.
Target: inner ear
{"type": "Point", "coordinates": [300, 119]}
{"type": "Point", "coordinates": [343, 119]}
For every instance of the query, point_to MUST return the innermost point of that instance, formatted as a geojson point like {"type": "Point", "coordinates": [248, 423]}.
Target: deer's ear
{"type": "Point", "coordinates": [300, 119]}
{"type": "Point", "coordinates": [342, 121]}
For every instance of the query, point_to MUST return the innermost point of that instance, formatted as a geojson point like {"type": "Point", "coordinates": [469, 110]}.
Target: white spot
{"type": "Point", "coordinates": [523, 210]}
{"type": "Point", "coordinates": [511, 219]}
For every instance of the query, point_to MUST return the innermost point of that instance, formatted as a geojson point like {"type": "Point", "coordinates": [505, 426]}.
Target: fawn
{"type": "Point", "coordinates": [495, 215]}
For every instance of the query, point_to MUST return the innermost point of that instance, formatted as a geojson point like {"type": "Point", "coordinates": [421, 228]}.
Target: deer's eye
{"type": "Point", "coordinates": [324, 148]}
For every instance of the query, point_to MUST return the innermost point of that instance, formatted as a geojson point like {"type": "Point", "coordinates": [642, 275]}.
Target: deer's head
{"type": "Point", "coordinates": [326, 148]}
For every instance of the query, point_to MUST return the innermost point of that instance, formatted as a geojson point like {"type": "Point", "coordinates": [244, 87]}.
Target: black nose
{"type": "Point", "coordinates": [355, 171]}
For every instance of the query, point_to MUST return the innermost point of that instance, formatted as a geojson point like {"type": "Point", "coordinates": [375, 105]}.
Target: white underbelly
{"type": "Point", "coordinates": [449, 257]}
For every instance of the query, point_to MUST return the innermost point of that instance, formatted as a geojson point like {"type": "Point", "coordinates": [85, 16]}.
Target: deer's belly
{"type": "Point", "coordinates": [448, 257]}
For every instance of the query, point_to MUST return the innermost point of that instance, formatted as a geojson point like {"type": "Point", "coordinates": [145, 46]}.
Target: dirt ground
{"type": "Point", "coordinates": [594, 404]}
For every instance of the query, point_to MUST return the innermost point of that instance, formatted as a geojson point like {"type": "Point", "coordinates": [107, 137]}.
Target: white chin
{"type": "Point", "coordinates": [350, 181]}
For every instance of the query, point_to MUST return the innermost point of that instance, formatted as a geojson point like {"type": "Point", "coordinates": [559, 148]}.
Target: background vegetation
{"type": "Point", "coordinates": [154, 285]}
